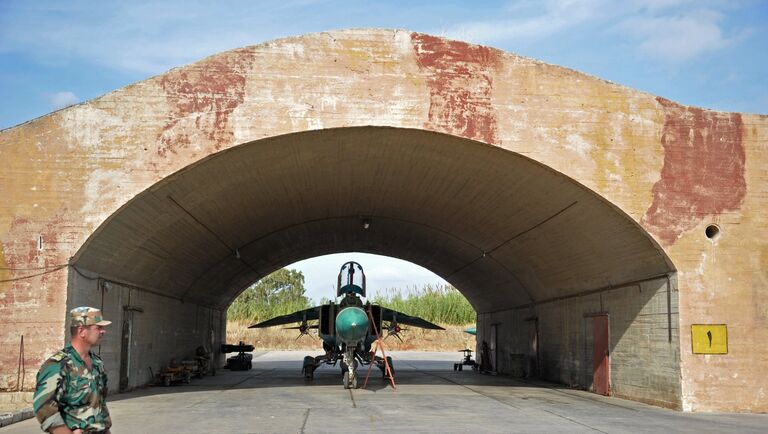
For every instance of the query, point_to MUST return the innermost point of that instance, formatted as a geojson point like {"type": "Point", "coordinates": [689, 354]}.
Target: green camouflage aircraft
{"type": "Point", "coordinates": [348, 328]}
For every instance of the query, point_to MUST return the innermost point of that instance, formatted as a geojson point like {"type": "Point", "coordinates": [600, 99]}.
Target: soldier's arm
{"type": "Point", "coordinates": [105, 409]}
{"type": "Point", "coordinates": [47, 393]}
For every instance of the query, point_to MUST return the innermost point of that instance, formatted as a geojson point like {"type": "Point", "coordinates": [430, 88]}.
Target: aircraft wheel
{"type": "Point", "coordinates": [391, 367]}
{"type": "Point", "coordinates": [309, 373]}
{"type": "Point", "coordinates": [308, 367]}
{"type": "Point", "coordinates": [461, 367]}
{"type": "Point", "coordinates": [346, 380]}
{"type": "Point", "coordinates": [354, 382]}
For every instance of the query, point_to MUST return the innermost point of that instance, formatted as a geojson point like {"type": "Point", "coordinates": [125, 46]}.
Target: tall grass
{"type": "Point", "coordinates": [440, 304]}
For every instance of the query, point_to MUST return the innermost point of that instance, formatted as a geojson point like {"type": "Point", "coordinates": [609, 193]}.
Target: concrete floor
{"type": "Point", "coordinates": [430, 397]}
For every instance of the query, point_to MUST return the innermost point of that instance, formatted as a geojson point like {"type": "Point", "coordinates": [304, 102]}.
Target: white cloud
{"type": "Point", "coordinates": [385, 272]}
{"type": "Point", "coordinates": [665, 30]}
{"type": "Point", "coordinates": [145, 37]}
{"type": "Point", "coordinates": [656, 5]}
{"type": "Point", "coordinates": [556, 16]}
{"type": "Point", "coordinates": [679, 38]}
{"type": "Point", "coordinates": [62, 99]}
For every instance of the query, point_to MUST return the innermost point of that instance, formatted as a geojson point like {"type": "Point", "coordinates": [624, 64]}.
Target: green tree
{"type": "Point", "coordinates": [279, 293]}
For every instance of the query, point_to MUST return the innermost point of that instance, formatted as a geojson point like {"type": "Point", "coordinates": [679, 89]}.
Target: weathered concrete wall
{"type": "Point", "coordinates": [643, 340]}
{"type": "Point", "coordinates": [673, 169]}
{"type": "Point", "coordinates": [161, 329]}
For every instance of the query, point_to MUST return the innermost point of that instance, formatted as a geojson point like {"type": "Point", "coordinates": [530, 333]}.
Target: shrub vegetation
{"type": "Point", "coordinates": [283, 292]}
{"type": "Point", "coordinates": [280, 293]}
{"type": "Point", "coordinates": [440, 304]}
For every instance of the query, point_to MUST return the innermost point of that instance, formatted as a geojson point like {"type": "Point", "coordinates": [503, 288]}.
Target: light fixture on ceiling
{"type": "Point", "coordinates": [366, 223]}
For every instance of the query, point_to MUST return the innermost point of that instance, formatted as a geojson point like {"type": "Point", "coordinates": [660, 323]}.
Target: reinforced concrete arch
{"type": "Point", "coordinates": [609, 188]}
{"type": "Point", "coordinates": [511, 234]}
{"type": "Point", "coordinates": [468, 211]}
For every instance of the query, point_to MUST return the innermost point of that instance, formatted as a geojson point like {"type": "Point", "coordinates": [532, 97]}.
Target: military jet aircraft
{"type": "Point", "coordinates": [346, 329]}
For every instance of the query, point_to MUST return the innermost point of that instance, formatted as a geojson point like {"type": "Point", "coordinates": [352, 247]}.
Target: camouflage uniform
{"type": "Point", "coordinates": [67, 392]}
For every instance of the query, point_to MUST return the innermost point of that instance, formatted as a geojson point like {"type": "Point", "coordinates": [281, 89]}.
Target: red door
{"type": "Point", "coordinates": [601, 373]}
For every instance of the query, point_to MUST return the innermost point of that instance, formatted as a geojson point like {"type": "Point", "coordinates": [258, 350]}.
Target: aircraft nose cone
{"type": "Point", "coordinates": [351, 325]}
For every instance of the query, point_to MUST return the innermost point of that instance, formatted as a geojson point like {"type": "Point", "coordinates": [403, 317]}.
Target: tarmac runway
{"type": "Point", "coordinates": [430, 397]}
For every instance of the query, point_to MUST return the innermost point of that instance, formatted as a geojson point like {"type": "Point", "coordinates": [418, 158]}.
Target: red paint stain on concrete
{"type": "Point", "coordinates": [203, 97]}
{"type": "Point", "coordinates": [33, 248]}
{"type": "Point", "coordinates": [703, 172]}
{"type": "Point", "coordinates": [460, 80]}
{"type": "Point", "coordinates": [38, 285]}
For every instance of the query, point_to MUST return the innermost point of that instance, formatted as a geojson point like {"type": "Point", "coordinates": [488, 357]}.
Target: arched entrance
{"type": "Point", "coordinates": [538, 255]}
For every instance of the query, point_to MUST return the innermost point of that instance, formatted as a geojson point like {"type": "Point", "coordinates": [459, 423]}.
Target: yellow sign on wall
{"type": "Point", "coordinates": [709, 338]}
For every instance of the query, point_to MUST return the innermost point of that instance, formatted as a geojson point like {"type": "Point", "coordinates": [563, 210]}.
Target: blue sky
{"type": "Point", "coordinates": [708, 53]}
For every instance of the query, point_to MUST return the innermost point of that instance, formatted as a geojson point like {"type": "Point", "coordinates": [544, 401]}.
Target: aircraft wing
{"type": "Point", "coordinates": [389, 315]}
{"type": "Point", "coordinates": [299, 316]}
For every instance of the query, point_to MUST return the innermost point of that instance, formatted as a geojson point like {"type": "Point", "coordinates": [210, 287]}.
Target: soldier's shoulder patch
{"type": "Point", "coordinates": [59, 356]}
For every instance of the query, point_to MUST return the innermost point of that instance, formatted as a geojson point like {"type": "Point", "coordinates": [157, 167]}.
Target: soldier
{"type": "Point", "coordinates": [71, 392]}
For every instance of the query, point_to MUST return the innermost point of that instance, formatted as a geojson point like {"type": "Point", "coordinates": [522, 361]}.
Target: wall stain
{"type": "Point", "coordinates": [703, 172]}
{"type": "Point", "coordinates": [759, 283]}
{"type": "Point", "coordinates": [24, 257]}
{"type": "Point", "coordinates": [28, 298]}
{"type": "Point", "coordinates": [460, 80]}
{"type": "Point", "coordinates": [203, 97]}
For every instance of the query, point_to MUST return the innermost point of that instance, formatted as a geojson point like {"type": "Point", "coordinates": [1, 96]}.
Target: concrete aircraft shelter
{"type": "Point", "coordinates": [551, 199]}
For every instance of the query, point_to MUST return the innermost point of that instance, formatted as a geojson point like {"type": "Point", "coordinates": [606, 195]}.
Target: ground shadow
{"type": "Point", "coordinates": [287, 373]}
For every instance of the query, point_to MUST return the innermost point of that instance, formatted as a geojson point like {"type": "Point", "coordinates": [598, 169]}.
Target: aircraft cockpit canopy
{"type": "Point", "coordinates": [348, 283]}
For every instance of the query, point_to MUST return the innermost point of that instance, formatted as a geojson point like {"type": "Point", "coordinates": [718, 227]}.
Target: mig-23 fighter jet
{"type": "Point", "coordinates": [345, 328]}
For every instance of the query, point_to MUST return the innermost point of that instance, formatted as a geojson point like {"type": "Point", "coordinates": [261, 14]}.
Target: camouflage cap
{"type": "Point", "coordinates": [85, 316]}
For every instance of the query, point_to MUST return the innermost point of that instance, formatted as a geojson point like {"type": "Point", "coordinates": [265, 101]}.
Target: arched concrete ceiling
{"type": "Point", "coordinates": [502, 228]}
